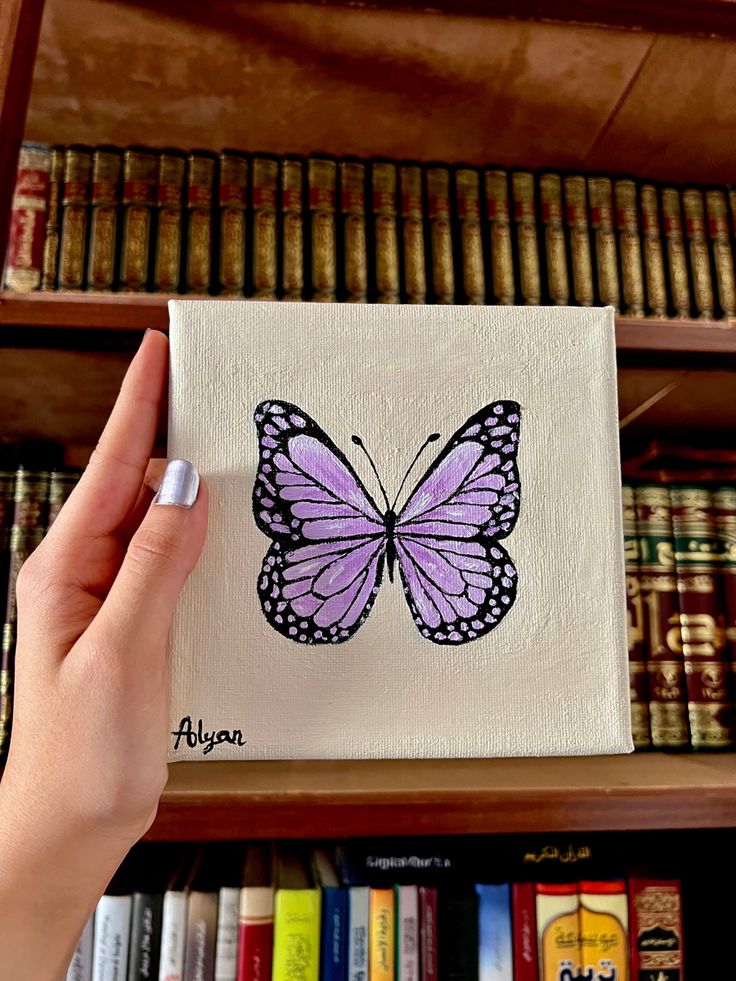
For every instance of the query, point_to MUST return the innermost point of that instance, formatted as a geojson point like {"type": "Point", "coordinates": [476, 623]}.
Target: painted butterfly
{"type": "Point", "coordinates": [329, 539]}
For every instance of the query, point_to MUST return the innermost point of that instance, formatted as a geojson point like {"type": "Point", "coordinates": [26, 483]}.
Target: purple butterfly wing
{"type": "Point", "coordinates": [458, 580]}
{"type": "Point", "coordinates": [321, 574]}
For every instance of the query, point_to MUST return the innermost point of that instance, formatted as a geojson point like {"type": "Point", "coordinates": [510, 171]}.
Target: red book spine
{"type": "Point", "coordinates": [428, 933]}
{"type": "Point", "coordinates": [655, 929]}
{"type": "Point", "coordinates": [28, 218]}
{"type": "Point", "coordinates": [524, 918]}
{"type": "Point", "coordinates": [255, 950]}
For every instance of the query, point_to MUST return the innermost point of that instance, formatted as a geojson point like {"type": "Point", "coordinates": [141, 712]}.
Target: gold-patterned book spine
{"type": "Point", "coordinates": [732, 214]}
{"type": "Point", "coordinates": [600, 193]}
{"type": "Point", "coordinates": [639, 693]}
{"type": "Point", "coordinates": [719, 235]}
{"type": "Point", "coordinates": [30, 511]}
{"type": "Point", "coordinates": [354, 249]}
{"type": "Point", "coordinates": [694, 212]}
{"type": "Point", "coordinates": [265, 240]}
{"type": "Point", "coordinates": [140, 173]}
{"type": "Point", "coordinates": [677, 277]}
{"type": "Point", "coordinates": [322, 181]}
{"type": "Point", "coordinates": [292, 229]}
{"type": "Point", "coordinates": [578, 238]}
{"type": "Point", "coordinates": [200, 189]}
{"type": "Point", "coordinates": [496, 185]}
{"type": "Point", "coordinates": [724, 515]}
{"type": "Point", "coordinates": [412, 234]}
{"type": "Point", "coordinates": [527, 247]}
{"type": "Point", "coordinates": [555, 250]}
{"type": "Point", "coordinates": [7, 505]}
{"type": "Point", "coordinates": [232, 198]}
{"type": "Point", "coordinates": [629, 247]}
{"type": "Point", "coordinates": [385, 231]}
{"type": "Point", "coordinates": [50, 261]}
{"type": "Point", "coordinates": [656, 287]}
{"type": "Point", "coordinates": [467, 204]}
{"type": "Point", "coordinates": [74, 208]}
{"type": "Point", "coordinates": [440, 227]}
{"type": "Point", "coordinates": [103, 218]}
{"type": "Point", "coordinates": [169, 222]}
{"type": "Point", "coordinates": [661, 610]}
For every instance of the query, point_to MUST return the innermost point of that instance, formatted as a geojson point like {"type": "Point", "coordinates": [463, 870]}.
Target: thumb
{"type": "Point", "coordinates": [160, 555]}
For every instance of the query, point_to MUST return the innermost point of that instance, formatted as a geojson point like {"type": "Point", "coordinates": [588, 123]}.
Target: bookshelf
{"type": "Point", "coordinates": [615, 86]}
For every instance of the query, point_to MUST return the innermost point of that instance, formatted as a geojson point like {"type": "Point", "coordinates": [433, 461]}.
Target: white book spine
{"type": "Point", "coordinates": [358, 923]}
{"type": "Point", "coordinates": [226, 951]}
{"type": "Point", "coordinates": [173, 936]}
{"type": "Point", "coordinates": [80, 968]}
{"type": "Point", "coordinates": [408, 933]}
{"type": "Point", "coordinates": [111, 939]}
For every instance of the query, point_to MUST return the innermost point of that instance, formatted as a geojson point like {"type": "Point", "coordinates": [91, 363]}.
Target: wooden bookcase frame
{"type": "Point", "coordinates": [314, 798]}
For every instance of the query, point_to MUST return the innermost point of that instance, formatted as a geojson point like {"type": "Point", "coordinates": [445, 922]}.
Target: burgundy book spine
{"type": "Point", "coordinates": [428, 933]}
{"type": "Point", "coordinates": [524, 920]}
{"type": "Point", "coordinates": [28, 218]}
{"type": "Point", "coordinates": [655, 929]}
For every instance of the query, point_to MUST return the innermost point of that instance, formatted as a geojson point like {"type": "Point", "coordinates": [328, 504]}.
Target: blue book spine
{"type": "Point", "coordinates": [333, 961]}
{"type": "Point", "coordinates": [495, 944]}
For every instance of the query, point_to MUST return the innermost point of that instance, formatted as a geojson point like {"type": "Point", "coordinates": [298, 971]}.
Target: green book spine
{"type": "Point", "coordinates": [679, 286]}
{"type": "Point", "coordinates": [635, 623]}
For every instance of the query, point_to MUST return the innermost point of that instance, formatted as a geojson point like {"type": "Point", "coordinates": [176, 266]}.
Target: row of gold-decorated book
{"type": "Point", "coordinates": [301, 913]}
{"type": "Point", "coordinates": [290, 228]}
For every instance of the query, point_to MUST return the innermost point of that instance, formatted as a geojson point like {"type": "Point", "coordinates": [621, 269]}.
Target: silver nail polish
{"type": "Point", "coordinates": [179, 486]}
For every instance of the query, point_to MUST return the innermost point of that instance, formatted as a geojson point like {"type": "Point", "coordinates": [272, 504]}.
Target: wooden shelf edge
{"type": "Point", "coordinates": [369, 798]}
{"type": "Point", "coordinates": [136, 312]}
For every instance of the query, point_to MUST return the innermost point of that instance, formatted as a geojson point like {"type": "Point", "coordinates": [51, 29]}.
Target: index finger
{"type": "Point", "coordinates": [109, 487]}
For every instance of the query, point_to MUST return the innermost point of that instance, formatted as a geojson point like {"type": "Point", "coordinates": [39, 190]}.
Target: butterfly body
{"type": "Point", "coordinates": [330, 541]}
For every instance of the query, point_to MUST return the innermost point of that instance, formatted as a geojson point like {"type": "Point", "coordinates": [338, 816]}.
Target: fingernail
{"type": "Point", "coordinates": [179, 486]}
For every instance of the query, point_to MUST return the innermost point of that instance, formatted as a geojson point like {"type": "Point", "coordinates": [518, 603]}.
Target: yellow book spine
{"type": "Point", "coordinates": [603, 930]}
{"type": "Point", "coordinates": [381, 963]}
{"type": "Point", "coordinates": [296, 931]}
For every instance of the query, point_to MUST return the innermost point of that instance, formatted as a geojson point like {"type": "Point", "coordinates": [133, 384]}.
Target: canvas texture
{"type": "Point", "coordinates": [535, 662]}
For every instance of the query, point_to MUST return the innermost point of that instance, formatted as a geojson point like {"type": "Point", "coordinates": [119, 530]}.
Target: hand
{"type": "Point", "coordinates": [87, 759]}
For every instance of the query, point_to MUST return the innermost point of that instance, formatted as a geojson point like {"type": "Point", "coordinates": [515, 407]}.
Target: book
{"type": "Point", "coordinates": [255, 916]}
{"type": "Point", "coordinates": [578, 237]}
{"type": "Point", "coordinates": [524, 923]}
{"type": "Point", "coordinates": [145, 936]}
{"type": "Point", "coordinates": [500, 250]}
{"type": "Point", "coordinates": [365, 357]}
{"type": "Point", "coordinates": [558, 931]}
{"type": "Point", "coordinates": [695, 233]}
{"type": "Point", "coordinates": [603, 918]}
{"type": "Point", "coordinates": [407, 933]}
{"type": "Point", "coordinates": [296, 921]}
{"type": "Point", "coordinates": [414, 275]}
{"type": "Point", "coordinates": [8, 465]}
{"type": "Point", "coordinates": [702, 621]}
{"type": "Point", "coordinates": [50, 260]}
{"type": "Point", "coordinates": [629, 246]}
{"type": "Point", "coordinates": [528, 274]}
{"type": "Point", "coordinates": [719, 237]}
{"type": "Point", "coordinates": [103, 218]}
{"type": "Point", "coordinates": [226, 946]}
{"type": "Point", "coordinates": [61, 484]}
{"type": "Point", "coordinates": [200, 182]}
{"type": "Point", "coordinates": [292, 229]}
{"type": "Point", "coordinates": [385, 231]}
{"type": "Point", "coordinates": [495, 939]}
{"type": "Point", "coordinates": [232, 191]}
{"type": "Point", "coordinates": [428, 958]}
{"type": "Point", "coordinates": [28, 210]}
{"type": "Point", "coordinates": [382, 932]}
{"type": "Point", "coordinates": [666, 684]}
{"type": "Point", "coordinates": [724, 517]}
{"type": "Point", "coordinates": [333, 957]}
{"type": "Point", "coordinates": [557, 289]}
{"type": "Point", "coordinates": [173, 928]}
{"type": "Point", "coordinates": [111, 938]}
{"type": "Point", "coordinates": [80, 968]}
{"type": "Point", "coordinates": [265, 244]}
{"type": "Point", "coordinates": [603, 241]}
{"type": "Point", "coordinates": [201, 937]}
{"type": "Point", "coordinates": [140, 173]}
{"type": "Point", "coordinates": [677, 275]}
{"type": "Point", "coordinates": [353, 231]}
{"type": "Point", "coordinates": [74, 206]}
{"type": "Point", "coordinates": [168, 222]}
{"type": "Point", "coordinates": [655, 924]}
{"type": "Point", "coordinates": [358, 932]}
{"type": "Point", "coordinates": [441, 264]}
{"type": "Point", "coordinates": [322, 182]}
{"type": "Point", "coordinates": [467, 208]}
{"type": "Point", "coordinates": [652, 250]}
{"type": "Point", "coordinates": [638, 688]}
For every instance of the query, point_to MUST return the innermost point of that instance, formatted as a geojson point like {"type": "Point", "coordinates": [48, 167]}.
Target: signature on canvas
{"type": "Point", "coordinates": [330, 540]}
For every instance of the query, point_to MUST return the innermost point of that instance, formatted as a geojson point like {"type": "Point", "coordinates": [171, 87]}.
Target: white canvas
{"type": "Point", "coordinates": [550, 678]}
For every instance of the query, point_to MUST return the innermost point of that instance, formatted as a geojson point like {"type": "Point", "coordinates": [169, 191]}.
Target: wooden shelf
{"type": "Point", "coordinates": [136, 312]}
{"type": "Point", "coordinates": [394, 797]}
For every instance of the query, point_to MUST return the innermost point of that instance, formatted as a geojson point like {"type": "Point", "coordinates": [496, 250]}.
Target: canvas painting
{"type": "Point", "coordinates": [415, 544]}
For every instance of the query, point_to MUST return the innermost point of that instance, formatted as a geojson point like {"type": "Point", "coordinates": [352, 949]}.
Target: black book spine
{"type": "Point", "coordinates": [145, 937]}
{"type": "Point", "coordinates": [458, 935]}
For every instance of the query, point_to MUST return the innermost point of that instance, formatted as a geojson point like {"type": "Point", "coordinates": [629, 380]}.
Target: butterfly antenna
{"type": "Point", "coordinates": [432, 438]}
{"type": "Point", "coordinates": [359, 442]}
